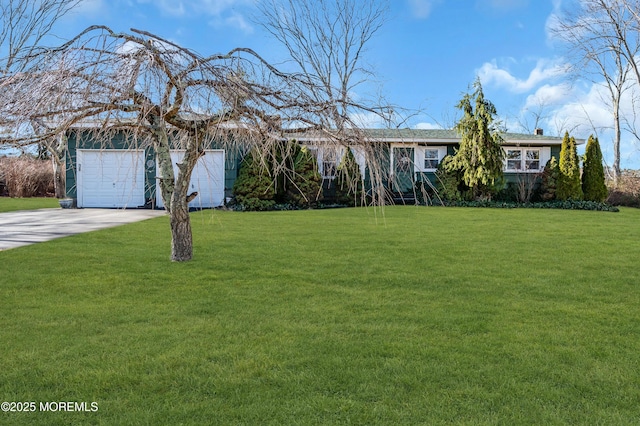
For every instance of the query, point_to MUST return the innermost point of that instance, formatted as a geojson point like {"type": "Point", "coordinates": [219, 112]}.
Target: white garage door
{"type": "Point", "coordinates": [207, 179]}
{"type": "Point", "coordinates": [110, 178]}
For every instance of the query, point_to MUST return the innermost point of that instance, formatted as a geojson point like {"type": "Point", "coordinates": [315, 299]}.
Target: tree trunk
{"type": "Point", "coordinates": [58, 152]}
{"type": "Point", "coordinates": [181, 235]}
{"type": "Point", "coordinates": [616, 141]}
{"type": "Point", "coordinates": [59, 178]}
{"type": "Point", "coordinates": [163, 153]}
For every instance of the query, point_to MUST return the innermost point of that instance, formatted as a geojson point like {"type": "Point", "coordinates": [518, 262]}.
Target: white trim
{"type": "Point", "coordinates": [545, 155]}
{"type": "Point", "coordinates": [420, 157]}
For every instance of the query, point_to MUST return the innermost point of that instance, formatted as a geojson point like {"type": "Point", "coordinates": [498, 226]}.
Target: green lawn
{"type": "Point", "coordinates": [421, 316]}
{"type": "Point", "coordinates": [13, 204]}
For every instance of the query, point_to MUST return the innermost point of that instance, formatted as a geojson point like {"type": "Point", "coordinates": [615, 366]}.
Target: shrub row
{"type": "Point", "coordinates": [566, 205]}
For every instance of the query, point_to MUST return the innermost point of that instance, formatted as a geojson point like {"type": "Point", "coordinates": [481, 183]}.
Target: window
{"type": "Point", "coordinates": [404, 162]}
{"type": "Point", "coordinates": [514, 159]}
{"type": "Point", "coordinates": [532, 159]}
{"type": "Point", "coordinates": [428, 157]}
{"type": "Point", "coordinates": [523, 159]}
{"type": "Point", "coordinates": [431, 158]}
{"type": "Point", "coordinates": [329, 164]}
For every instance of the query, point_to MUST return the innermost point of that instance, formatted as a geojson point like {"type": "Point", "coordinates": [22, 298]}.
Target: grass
{"type": "Point", "coordinates": [15, 204]}
{"type": "Point", "coordinates": [423, 316]}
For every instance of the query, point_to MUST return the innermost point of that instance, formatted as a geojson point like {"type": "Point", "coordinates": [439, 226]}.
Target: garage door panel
{"type": "Point", "coordinates": [207, 179]}
{"type": "Point", "coordinates": [110, 178]}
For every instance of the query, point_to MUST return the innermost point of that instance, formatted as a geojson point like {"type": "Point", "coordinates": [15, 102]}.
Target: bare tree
{"type": "Point", "coordinates": [166, 95]}
{"type": "Point", "coordinates": [326, 42]}
{"type": "Point", "coordinates": [24, 24]}
{"type": "Point", "coordinates": [604, 42]}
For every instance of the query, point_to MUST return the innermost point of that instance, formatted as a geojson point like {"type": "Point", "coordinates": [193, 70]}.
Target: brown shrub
{"type": "Point", "coordinates": [627, 191]}
{"type": "Point", "coordinates": [26, 177]}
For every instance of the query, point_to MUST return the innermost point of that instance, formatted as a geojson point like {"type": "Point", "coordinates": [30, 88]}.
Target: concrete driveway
{"type": "Point", "coordinates": [28, 227]}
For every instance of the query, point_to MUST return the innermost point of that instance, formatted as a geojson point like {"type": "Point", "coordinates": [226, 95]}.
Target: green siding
{"type": "Point", "coordinates": [70, 160]}
{"type": "Point", "coordinates": [232, 160]}
{"type": "Point", "coordinates": [83, 140]}
{"type": "Point", "coordinates": [233, 157]}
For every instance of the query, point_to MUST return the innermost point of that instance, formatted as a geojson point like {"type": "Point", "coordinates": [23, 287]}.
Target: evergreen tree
{"type": "Point", "coordinates": [569, 185]}
{"type": "Point", "coordinates": [304, 186]}
{"type": "Point", "coordinates": [480, 156]}
{"type": "Point", "coordinates": [593, 185]}
{"type": "Point", "coordinates": [254, 189]}
{"type": "Point", "coordinates": [348, 180]}
{"type": "Point", "coordinates": [549, 184]}
{"type": "Point", "coordinates": [449, 184]}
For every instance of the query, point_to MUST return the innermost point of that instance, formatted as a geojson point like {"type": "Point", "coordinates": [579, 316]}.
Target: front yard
{"type": "Point", "coordinates": [418, 316]}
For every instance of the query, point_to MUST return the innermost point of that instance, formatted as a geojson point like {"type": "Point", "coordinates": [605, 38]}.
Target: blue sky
{"type": "Point", "coordinates": [425, 57]}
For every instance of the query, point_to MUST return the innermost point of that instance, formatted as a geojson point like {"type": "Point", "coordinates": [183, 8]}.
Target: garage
{"type": "Point", "coordinates": [110, 178]}
{"type": "Point", "coordinates": [207, 179]}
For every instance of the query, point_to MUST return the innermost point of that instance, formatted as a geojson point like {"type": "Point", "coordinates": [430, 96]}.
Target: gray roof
{"type": "Point", "coordinates": [445, 136]}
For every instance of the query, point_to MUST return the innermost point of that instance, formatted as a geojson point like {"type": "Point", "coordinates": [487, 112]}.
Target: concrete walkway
{"type": "Point", "coordinates": [33, 226]}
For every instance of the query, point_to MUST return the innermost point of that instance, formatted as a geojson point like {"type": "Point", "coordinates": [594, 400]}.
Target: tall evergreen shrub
{"type": "Point", "coordinates": [304, 185]}
{"type": "Point", "coordinates": [449, 183]}
{"type": "Point", "coordinates": [549, 184]}
{"type": "Point", "coordinates": [593, 184]}
{"type": "Point", "coordinates": [480, 157]}
{"type": "Point", "coordinates": [254, 188]}
{"type": "Point", "coordinates": [569, 184]}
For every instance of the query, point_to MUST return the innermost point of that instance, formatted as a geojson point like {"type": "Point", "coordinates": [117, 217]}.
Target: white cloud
{"type": "Point", "coordinates": [590, 113]}
{"type": "Point", "coordinates": [421, 9]}
{"type": "Point", "coordinates": [89, 8]}
{"type": "Point", "coordinates": [192, 7]}
{"type": "Point", "coordinates": [238, 21]}
{"type": "Point", "coordinates": [225, 12]}
{"type": "Point", "coordinates": [367, 120]}
{"type": "Point", "coordinates": [548, 96]}
{"type": "Point", "coordinates": [427, 126]}
{"type": "Point", "coordinates": [490, 73]}
{"type": "Point", "coordinates": [587, 113]}
{"type": "Point", "coordinates": [89, 5]}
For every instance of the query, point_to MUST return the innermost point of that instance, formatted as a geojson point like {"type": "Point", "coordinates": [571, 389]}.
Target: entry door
{"type": "Point", "coordinates": [110, 178]}
{"type": "Point", "coordinates": [403, 168]}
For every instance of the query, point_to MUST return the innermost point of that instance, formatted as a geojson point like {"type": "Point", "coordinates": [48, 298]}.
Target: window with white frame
{"type": "Point", "coordinates": [428, 157]}
{"type": "Point", "coordinates": [514, 159]}
{"type": "Point", "coordinates": [523, 159]}
{"type": "Point", "coordinates": [329, 163]}
{"type": "Point", "coordinates": [532, 159]}
{"type": "Point", "coordinates": [431, 158]}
